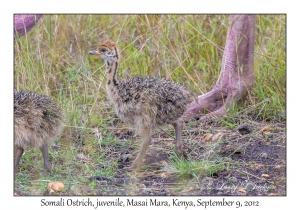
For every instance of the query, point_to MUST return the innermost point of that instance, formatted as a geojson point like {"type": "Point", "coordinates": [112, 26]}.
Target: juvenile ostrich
{"type": "Point", "coordinates": [37, 121]}
{"type": "Point", "coordinates": [145, 103]}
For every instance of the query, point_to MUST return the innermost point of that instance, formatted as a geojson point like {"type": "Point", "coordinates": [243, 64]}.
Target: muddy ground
{"type": "Point", "coordinates": [255, 153]}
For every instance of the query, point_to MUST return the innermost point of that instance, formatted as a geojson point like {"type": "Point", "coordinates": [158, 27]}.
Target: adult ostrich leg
{"type": "Point", "coordinates": [24, 23]}
{"type": "Point", "coordinates": [237, 71]}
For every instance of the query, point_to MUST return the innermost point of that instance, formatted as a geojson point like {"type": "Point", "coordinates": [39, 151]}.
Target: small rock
{"type": "Point", "coordinates": [229, 147]}
{"type": "Point", "coordinates": [265, 175]}
{"type": "Point", "coordinates": [242, 190]}
{"type": "Point", "coordinates": [264, 155]}
{"type": "Point", "coordinates": [217, 136]}
{"type": "Point", "coordinates": [126, 157]}
{"type": "Point", "coordinates": [234, 134]}
{"type": "Point", "coordinates": [263, 180]}
{"type": "Point", "coordinates": [164, 175]}
{"type": "Point", "coordinates": [266, 128]}
{"type": "Point", "coordinates": [208, 136]}
{"type": "Point", "coordinates": [55, 186]}
{"type": "Point", "coordinates": [266, 131]}
{"type": "Point", "coordinates": [245, 129]}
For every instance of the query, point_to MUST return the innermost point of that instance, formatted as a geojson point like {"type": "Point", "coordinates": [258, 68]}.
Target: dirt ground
{"type": "Point", "coordinates": [255, 152]}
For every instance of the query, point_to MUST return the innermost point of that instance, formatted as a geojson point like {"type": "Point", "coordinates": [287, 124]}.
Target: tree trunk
{"type": "Point", "coordinates": [237, 71]}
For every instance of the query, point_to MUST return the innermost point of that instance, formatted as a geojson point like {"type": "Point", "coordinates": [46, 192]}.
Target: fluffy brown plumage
{"type": "Point", "coordinates": [144, 103]}
{"type": "Point", "coordinates": [149, 102]}
{"type": "Point", "coordinates": [38, 120]}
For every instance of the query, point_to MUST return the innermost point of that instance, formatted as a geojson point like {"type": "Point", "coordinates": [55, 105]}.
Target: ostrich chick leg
{"type": "Point", "coordinates": [47, 164]}
{"type": "Point", "coordinates": [18, 153]}
{"type": "Point", "coordinates": [146, 140]}
{"type": "Point", "coordinates": [178, 139]}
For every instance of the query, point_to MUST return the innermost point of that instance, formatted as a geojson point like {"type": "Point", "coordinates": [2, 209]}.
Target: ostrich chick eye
{"type": "Point", "coordinates": [102, 50]}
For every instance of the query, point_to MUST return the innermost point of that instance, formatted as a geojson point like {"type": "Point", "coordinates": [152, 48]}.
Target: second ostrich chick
{"type": "Point", "coordinates": [145, 103]}
{"type": "Point", "coordinates": [38, 120]}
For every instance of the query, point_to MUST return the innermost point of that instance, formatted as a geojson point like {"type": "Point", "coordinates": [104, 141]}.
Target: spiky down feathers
{"type": "Point", "coordinates": [149, 102]}
{"type": "Point", "coordinates": [37, 120]}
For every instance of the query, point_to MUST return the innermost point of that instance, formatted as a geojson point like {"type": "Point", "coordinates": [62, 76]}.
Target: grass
{"type": "Point", "coordinates": [52, 59]}
{"type": "Point", "coordinates": [183, 168]}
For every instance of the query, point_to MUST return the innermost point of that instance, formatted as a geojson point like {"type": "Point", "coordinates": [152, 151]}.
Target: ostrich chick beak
{"type": "Point", "coordinates": [94, 52]}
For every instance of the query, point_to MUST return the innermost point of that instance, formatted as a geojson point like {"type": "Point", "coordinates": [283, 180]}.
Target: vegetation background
{"type": "Point", "coordinates": [53, 59]}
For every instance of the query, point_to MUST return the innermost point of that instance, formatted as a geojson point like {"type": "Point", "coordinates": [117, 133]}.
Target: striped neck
{"type": "Point", "coordinates": [112, 67]}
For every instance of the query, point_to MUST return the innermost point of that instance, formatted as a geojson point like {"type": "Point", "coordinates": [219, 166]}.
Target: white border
{"type": "Point", "coordinates": [7, 200]}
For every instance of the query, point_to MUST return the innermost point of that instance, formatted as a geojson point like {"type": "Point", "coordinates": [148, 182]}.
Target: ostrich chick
{"type": "Point", "coordinates": [145, 103]}
{"type": "Point", "coordinates": [37, 121]}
